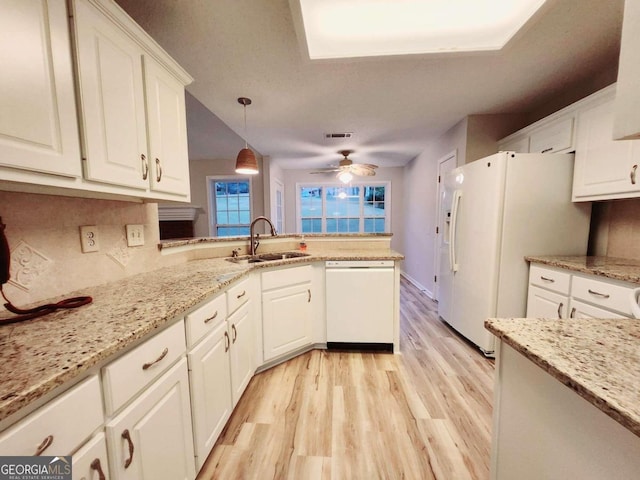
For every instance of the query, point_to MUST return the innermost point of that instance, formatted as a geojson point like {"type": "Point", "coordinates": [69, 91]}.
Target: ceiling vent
{"type": "Point", "coordinates": [338, 135]}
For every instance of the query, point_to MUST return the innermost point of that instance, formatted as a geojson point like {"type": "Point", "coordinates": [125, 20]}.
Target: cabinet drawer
{"type": "Point", "coordinates": [553, 138]}
{"type": "Point", "coordinates": [584, 310]}
{"type": "Point", "coordinates": [549, 278]}
{"type": "Point", "coordinates": [604, 294]}
{"type": "Point", "coordinates": [66, 422]}
{"type": "Point", "coordinates": [205, 319]}
{"type": "Point", "coordinates": [125, 377]}
{"type": "Point", "coordinates": [237, 295]}
{"type": "Point", "coordinates": [286, 277]}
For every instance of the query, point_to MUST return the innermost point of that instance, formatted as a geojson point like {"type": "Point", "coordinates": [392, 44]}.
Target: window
{"type": "Point", "coordinates": [337, 208]}
{"type": "Point", "coordinates": [230, 206]}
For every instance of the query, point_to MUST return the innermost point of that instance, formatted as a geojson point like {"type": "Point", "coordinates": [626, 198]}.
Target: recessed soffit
{"type": "Point", "coordinates": [365, 28]}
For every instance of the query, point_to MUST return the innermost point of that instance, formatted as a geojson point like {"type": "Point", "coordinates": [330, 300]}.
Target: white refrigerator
{"type": "Point", "coordinates": [497, 210]}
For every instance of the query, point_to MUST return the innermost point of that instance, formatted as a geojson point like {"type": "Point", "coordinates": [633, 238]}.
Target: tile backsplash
{"type": "Point", "coordinates": [46, 256]}
{"type": "Point", "coordinates": [624, 228]}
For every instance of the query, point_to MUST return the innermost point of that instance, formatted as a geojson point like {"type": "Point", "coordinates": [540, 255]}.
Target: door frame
{"type": "Point", "coordinates": [443, 169]}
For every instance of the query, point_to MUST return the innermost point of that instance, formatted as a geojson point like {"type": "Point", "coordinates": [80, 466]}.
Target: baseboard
{"type": "Point", "coordinates": [418, 285]}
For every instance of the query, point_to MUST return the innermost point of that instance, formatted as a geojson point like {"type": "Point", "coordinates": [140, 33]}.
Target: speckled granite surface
{"type": "Point", "coordinates": [599, 359]}
{"type": "Point", "coordinates": [36, 356]}
{"type": "Point", "coordinates": [623, 269]}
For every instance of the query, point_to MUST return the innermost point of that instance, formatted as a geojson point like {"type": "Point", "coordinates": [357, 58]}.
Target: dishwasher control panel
{"type": "Point", "coordinates": [358, 263]}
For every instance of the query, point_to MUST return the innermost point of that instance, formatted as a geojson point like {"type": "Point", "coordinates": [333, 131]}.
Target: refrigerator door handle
{"type": "Point", "coordinates": [453, 261]}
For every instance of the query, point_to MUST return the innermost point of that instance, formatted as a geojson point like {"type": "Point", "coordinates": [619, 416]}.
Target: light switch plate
{"type": "Point", "coordinates": [135, 235]}
{"type": "Point", "coordinates": [89, 238]}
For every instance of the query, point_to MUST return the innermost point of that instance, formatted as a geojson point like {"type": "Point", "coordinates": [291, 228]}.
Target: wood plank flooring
{"type": "Point", "coordinates": [423, 414]}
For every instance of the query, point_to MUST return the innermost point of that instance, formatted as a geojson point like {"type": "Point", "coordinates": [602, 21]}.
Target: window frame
{"type": "Point", "coordinates": [212, 205]}
{"type": "Point", "coordinates": [361, 184]}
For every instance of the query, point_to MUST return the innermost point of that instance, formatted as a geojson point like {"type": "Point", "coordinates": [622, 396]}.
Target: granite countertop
{"type": "Point", "coordinates": [597, 358]}
{"type": "Point", "coordinates": [624, 269]}
{"type": "Point", "coordinates": [39, 355]}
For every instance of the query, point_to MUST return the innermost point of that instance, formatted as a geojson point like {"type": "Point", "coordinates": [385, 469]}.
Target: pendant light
{"type": "Point", "coordinates": [246, 162]}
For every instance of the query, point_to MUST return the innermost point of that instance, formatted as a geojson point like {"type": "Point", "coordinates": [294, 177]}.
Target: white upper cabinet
{"type": "Point", "coordinates": [112, 98]}
{"type": "Point", "coordinates": [627, 104]}
{"type": "Point", "coordinates": [605, 169]}
{"type": "Point", "coordinates": [552, 134]}
{"type": "Point", "coordinates": [38, 123]}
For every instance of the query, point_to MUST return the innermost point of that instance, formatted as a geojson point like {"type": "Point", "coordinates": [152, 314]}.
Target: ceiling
{"type": "Point", "coordinates": [394, 105]}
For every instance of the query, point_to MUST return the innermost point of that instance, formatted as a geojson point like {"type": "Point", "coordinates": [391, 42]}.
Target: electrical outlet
{"type": "Point", "coordinates": [89, 238]}
{"type": "Point", "coordinates": [135, 235]}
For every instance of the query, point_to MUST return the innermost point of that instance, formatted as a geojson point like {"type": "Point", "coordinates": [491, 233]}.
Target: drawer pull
{"type": "Point", "coordinates": [309, 292]}
{"type": "Point", "coordinates": [158, 170]}
{"type": "Point", "coordinates": [547, 150]}
{"type": "Point", "coordinates": [560, 305]}
{"type": "Point", "coordinates": [95, 465]}
{"type": "Point", "coordinates": [235, 333]}
{"type": "Point", "coordinates": [151, 364]}
{"type": "Point", "coordinates": [547, 279]}
{"type": "Point", "coordinates": [240, 295]}
{"type": "Point", "coordinates": [573, 313]}
{"type": "Point", "coordinates": [145, 167]}
{"type": "Point", "coordinates": [127, 437]}
{"type": "Point", "coordinates": [44, 445]}
{"type": "Point", "coordinates": [633, 174]}
{"type": "Point", "coordinates": [226, 342]}
{"type": "Point", "coordinates": [598, 294]}
{"type": "Point", "coordinates": [207, 320]}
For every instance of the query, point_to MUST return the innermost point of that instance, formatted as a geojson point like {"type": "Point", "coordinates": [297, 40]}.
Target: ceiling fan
{"type": "Point", "coordinates": [346, 169]}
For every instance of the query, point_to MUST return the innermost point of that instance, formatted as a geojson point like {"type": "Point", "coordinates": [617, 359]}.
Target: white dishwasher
{"type": "Point", "coordinates": [360, 304]}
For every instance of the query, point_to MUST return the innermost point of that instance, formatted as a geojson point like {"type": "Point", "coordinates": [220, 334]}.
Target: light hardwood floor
{"type": "Point", "coordinates": [423, 414]}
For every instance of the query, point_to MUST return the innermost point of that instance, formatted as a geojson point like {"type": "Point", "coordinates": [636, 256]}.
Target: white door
{"type": "Point", "coordinates": [112, 93]}
{"type": "Point", "coordinates": [445, 165]}
{"type": "Point", "coordinates": [277, 213]}
{"type": "Point", "coordinates": [38, 123]}
{"type": "Point", "coordinates": [167, 124]}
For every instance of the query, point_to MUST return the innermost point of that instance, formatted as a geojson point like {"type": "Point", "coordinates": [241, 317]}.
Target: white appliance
{"type": "Point", "coordinates": [497, 210]}
{"type": "Point", "coordinates": [360, 304]}
{"type": "Point", "coordinates": [635, 302]}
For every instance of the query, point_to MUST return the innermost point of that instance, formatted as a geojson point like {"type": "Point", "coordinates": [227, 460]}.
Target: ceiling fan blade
{"type": "Point", "coordinates": [362, 170]}
{"type": "Point", "coordinates": [326, 170]}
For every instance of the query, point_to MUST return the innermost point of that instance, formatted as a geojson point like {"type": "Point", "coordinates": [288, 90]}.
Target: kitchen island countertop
{"type": "Point", "coordinates": [597, 358]}
{"type": "Point", "coordinates": [625, 269]}
{"type": "Point", "coordinates": [38, 356]}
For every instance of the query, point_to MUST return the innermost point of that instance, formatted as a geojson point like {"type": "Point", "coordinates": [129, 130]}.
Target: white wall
{"type": "Point", "coordinates": [395, 175]}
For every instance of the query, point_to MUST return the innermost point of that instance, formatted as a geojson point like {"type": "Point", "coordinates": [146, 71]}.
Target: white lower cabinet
{"type": "Point", "coordinates": [152, 437]}
{"type": "Point", "coordinates": [584, 310]}
{"type": "Point", "coordinates": [242, 336]}
{"type": "Point", "coordinates": [542, 303]}
{"type": "Point", "coordinates": [287, 320]}
{"type": "Point", "coordinates": [210, 381]}
{"type": "Point", "coordinates": [90, 462]}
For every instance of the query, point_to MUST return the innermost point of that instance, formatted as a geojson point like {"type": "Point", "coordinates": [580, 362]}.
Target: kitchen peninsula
{"type": "Point", "coordinates": [567, 398]}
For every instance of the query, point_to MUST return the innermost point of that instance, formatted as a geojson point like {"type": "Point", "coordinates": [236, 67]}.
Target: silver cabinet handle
{"type": "Point", "coordinates": [547, 150]}
{"type": "Point", "coordinates": [145, 167]}
{"type": "Point", "coordinates": [151, 364]}
{"type": "Point", "coordinates": [127, 437]}
{"type": "Point", "coordinates": [244, 292]}
{"type": "Point", "coordinates": [573, 313]}
{"type": "Point", "coordinates": [207, 320]}
{"type": "Point", "coordinates": [633, 174]}
{"type": "Point", "coordinates": [598, 294]}
{"type": "Point", "coordinates": [44, 445]}
{"type": "Point", "coordinates": [547, 279]}
{"type": "Point", "coordinates": [560, 305]}
{"type": "Point", "coordinates": [95, 465]}
{"type": "Point", "coordinates": [226, 342]}
{"type": "Point", "coordinates": [158, 170]}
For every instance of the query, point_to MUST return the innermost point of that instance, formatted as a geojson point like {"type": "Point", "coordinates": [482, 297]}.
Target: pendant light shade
{"type": "Point", "coordinates": [246, 162]}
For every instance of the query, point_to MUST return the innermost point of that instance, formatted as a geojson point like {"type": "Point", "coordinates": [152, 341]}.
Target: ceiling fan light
{"type": "Point", "coordinates": [345, 177]}
{"type": "Point", "coordinates": [246, 162]}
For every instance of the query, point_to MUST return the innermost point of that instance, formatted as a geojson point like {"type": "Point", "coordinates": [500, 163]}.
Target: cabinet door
{"type": "Point", "coordinates": [152, 438]}
{"type": "Point", "coordinates": [286, 319]}
{"type": "Point", "coordinates": [545, 304]}
{"type": "Point", "coordinates": [112, 100]}
{"type": "Point", "coordinates": [555, 137]}
{"type": "Point", "coordinates": [241, 331]}
{"type": "Point", "coordinates": [518, 145]}
{"type": "Point", "coordinates": [90, 462]}
{"type": "Point", "coordinates": [38, 124]}
{"type": "Point", "coordinates": [167, 130]}
{"type": "Point", "coordinates": [584, 310]}
{"type": "Point", "coordinates": [604, 168]}
{"type": "Point", "coordinates": [210, 381]}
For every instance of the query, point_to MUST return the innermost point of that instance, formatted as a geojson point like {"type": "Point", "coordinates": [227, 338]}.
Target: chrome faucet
{"type": "Point", "coordinates": [255, 238]}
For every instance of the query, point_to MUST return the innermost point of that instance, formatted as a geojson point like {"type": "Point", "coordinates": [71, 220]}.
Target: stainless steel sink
{"type": "Point", "coordinates": [267, 257]}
